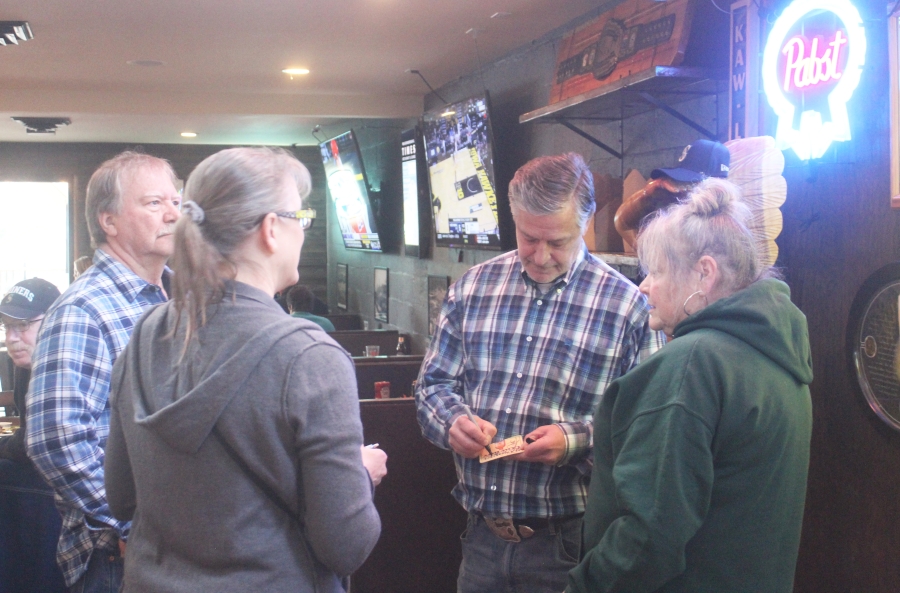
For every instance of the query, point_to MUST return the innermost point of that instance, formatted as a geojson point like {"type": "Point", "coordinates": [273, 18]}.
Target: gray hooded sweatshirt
{"type": "Point", "coordinates": [283, 395]}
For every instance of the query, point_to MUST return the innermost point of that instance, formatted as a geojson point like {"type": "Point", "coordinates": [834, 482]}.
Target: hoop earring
{"type": "Point", "coordinates": [692, 295]}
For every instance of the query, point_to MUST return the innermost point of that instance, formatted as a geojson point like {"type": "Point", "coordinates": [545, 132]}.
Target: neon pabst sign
{"type": "Point", "coordinates": [811, 65]}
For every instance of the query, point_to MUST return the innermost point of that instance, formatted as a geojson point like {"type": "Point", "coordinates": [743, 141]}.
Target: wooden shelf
{"type": "Point", "coordinates": [659, 87]}
{"type": "Point", "coordinates": [623, 98]}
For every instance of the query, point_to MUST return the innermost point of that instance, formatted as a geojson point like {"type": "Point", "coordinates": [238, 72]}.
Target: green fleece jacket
{"type": "Point", "coordinates": [701, 456]}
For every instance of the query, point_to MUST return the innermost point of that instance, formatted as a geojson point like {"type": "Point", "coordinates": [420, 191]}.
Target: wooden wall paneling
{"type": "Point", "coordinates": [838, 229]}
{"type": "Point", "coordinates": [419, 550]}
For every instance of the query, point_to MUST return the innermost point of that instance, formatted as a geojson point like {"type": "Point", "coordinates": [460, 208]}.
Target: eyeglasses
{"type": "Point", "coordinates": [306, 217]}
{"type": "Point", "coordinates": [20, 327]}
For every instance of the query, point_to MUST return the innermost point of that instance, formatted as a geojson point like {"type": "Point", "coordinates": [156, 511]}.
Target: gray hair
{"type": "Point", "coordinates": [546, 185]}
{"type": "Point", "coordinates": [711, 220]}
{"type": "Point", "coordinates": [104, 190]}
{"type": "Point", "coordinates": [234, 189]}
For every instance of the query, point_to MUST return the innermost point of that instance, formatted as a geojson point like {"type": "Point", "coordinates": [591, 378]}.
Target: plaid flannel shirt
{"type": "Point", "coordinates": [521, 359]}
{"type": "Point", "coordinates": [68, 401]}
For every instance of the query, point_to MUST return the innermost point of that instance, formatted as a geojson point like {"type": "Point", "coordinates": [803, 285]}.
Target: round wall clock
{"type": "Point", "coordinates": [873, 342]}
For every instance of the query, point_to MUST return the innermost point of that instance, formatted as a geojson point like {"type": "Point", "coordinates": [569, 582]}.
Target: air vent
{"type": "Point", "coordinates": [12, 32]}
{"type": "Point", "coordinates": [42, 125]}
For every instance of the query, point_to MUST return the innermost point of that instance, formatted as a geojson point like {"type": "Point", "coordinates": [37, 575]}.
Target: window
{"type": "Point", "coordinates": [34, 233]}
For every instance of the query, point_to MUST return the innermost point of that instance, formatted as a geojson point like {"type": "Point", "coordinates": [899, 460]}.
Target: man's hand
{"type": "Point", "coordinates": [469, 440]}
{"type": "Point", "coordinates": [121, 548]}
{"type": "Point", "coordinates": [375, 462]}
{"type": "Point", "coordinates": [545, 444]}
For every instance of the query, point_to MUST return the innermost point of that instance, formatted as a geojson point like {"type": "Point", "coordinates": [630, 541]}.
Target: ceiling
{"type": "Point", "coordinates": [222, 60]}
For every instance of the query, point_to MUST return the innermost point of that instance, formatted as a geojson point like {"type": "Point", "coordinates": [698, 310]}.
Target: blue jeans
{"type": "Point", "coordinates": [29, 532]}
{"type": "Point", "coordinates": [103, 575]}
{"type": "Point", "coordinates": [539, 564]}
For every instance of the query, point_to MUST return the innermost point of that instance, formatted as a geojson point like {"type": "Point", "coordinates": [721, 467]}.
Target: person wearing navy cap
{"type": "Point", "coordinates": [30, 520]}
{"type": "Point", "coordinates": [21, 312]}
{"type": "Point", "coordinates": [699, 160]}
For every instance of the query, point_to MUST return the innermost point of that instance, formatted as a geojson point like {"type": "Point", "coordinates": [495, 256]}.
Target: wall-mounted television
{"type": "Point", "coordinates": [416, 197]}
{"type": "Point", "coordinates": [349, 189]}
{"type": "Point", "coordinates": [459, 153]}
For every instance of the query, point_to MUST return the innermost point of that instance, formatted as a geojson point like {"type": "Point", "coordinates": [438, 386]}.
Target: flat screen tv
{"type": "Point", "coordinates": [459, 152]}
{"type": "Point", "coordinates": [416, 199]}
{"type": "Point", "coordinates": [346, 178]}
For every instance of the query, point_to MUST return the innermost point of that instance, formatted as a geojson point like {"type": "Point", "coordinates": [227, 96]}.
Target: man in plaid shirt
{"type": "Point", "coordinates": [131, 209]}
{"type": "Point", "coordinates": [528, 342]}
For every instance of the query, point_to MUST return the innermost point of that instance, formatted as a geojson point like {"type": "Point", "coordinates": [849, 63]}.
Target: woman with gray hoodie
{"type": "Point", "coordinates": [235, 443]}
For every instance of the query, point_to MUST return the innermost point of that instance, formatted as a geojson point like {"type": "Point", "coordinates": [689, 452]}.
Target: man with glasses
{"type": "Point", "coordinates": [30, 523]}
{"type": "Point", "coordinates": [131, 209]}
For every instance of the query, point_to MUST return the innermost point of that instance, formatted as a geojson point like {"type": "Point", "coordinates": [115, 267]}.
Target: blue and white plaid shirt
{"type": "Point", "coordinates": [68, 401]}
{"type": "Point", "coordinates": [521, 359]}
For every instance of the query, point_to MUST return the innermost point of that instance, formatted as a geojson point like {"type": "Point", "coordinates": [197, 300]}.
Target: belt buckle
{"type": "Point", "coordinates": [503, 528]}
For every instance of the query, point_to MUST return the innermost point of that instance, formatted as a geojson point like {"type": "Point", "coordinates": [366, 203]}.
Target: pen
{"type": "Point", "coordinates": [472, 420]}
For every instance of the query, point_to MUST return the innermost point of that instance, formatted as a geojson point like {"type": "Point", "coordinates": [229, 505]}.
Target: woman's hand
{"type": "Point", "coordinates": [375, 462]}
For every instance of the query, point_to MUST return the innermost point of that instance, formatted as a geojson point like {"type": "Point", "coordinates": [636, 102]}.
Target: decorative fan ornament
{"type": "Point", "coordinates": [757, 167]}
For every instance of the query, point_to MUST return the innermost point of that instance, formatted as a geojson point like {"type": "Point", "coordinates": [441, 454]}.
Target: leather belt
{"type": "Point", "coordinates": [515, 530]}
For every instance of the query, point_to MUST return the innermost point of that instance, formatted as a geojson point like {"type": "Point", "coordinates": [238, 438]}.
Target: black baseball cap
{"type": "Point", "coordinates": [703, 158]}
{"type": "Point", "coordinates": [28, 299]}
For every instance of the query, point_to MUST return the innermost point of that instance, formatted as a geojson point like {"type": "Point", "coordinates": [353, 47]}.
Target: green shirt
{"type": "Point", "coordinates": [324, 322]}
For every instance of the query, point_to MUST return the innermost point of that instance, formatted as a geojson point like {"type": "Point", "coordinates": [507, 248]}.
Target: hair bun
{"type": "Point", "coordinates": [712, 197]}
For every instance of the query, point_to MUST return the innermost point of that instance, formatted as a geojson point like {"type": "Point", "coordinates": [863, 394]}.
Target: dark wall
{"type": "Point", "coordinates": [75, 162]}
{"type": "Point", "coordinates": [838, 229]}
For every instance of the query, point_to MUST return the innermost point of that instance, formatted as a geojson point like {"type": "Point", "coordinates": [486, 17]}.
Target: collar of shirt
{"type": "Point", "coordinates": [563, 280]}
{"type": "Point", "coordinates": [129, 284]}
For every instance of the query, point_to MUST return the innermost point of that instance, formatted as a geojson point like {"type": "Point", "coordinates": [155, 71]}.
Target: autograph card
{"type": "Point", "coordinates": [503, 448]}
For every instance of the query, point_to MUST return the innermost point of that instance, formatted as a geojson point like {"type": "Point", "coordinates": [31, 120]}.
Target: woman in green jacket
{"type": "Point", "coordinates": [701, 452]}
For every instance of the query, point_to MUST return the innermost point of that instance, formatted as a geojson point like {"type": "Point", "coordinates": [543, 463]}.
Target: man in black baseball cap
{"type": "Point", "coordinates": [699, 160]}
{"type": "Point", "coordinates": [21, 310]}
{"type": "Point", "coordinates": [31, 530]}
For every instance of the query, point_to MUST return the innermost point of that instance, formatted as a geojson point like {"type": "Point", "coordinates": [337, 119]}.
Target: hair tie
{"type": "Point", "coordinates": [193, 209]}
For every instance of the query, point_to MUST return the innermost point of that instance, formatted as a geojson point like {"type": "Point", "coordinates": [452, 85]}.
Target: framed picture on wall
{"type": "Point", "coordinates": [342, 286]}
{"type": "Point", "coordinates": [382, 294]}
{"type": "Point", "coordinates": [437, 290]}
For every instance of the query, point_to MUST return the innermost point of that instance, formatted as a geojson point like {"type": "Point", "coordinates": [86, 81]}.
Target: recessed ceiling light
{"type": "Point", "coordinates": [189, 134]}
{"type": "Point", "coordinates": [501, 15]}
{"type": "Point", "coordinates": [145, 63]}
{"type": "Point", "coordinates": [293, 71]}
{"type": "Point", "coordinates": [448, 113]}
